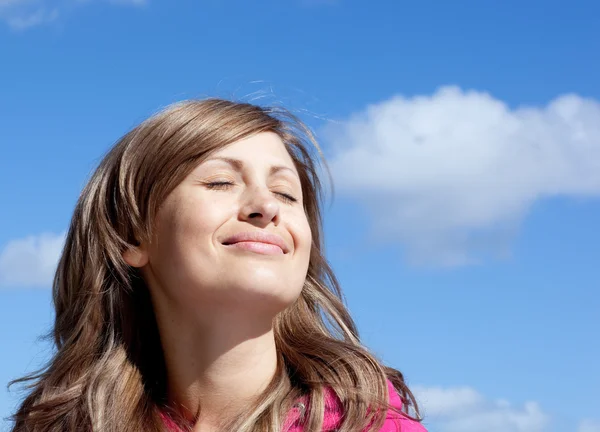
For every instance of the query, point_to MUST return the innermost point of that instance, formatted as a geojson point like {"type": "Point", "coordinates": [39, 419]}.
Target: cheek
{"type": "Point", "coordinates": [185, 228]}
{"type": "Point", "coordinates": [183, 255]}
{"type": "Point", "coordinates": [303, 239]}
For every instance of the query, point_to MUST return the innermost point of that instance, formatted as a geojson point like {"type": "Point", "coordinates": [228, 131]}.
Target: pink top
{"type": "Point", "coordinates": [394, 422]}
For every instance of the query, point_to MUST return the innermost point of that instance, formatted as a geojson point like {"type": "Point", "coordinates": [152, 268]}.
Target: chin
{"type": "Point", "coordinates": [263, 290]}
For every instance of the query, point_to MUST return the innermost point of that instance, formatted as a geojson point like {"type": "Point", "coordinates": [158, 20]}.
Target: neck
{"type": "Point", "coordinates": [216, 370]}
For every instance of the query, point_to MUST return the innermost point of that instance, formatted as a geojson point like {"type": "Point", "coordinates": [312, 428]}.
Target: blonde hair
{"type": "Point", "coordinates": [108, 372]}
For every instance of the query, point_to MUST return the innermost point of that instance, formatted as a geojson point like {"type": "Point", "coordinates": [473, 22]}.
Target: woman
{"type": "Point", "coordinates": [193, 294]}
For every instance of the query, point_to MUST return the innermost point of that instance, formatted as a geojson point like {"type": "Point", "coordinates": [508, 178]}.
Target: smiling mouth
{"type": "Point", "coordinates": [259, 242]}
{"type": "Point", "coordinates": [256, 247]}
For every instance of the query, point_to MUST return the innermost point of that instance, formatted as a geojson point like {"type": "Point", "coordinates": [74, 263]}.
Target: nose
{"type": "Point", "coordinates": [259, 207]}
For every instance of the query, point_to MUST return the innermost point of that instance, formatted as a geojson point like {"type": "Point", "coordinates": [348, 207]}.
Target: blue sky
{"type": "Point", "coordinates": [464, 142]}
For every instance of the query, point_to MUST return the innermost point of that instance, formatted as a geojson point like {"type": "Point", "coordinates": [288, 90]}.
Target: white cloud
{"type": "Point", "coordinates": [465, 410]}
{"type": "Point", "coordinates": [589, 426]}
{"type": "Point", "coordinates": [30, 261]}
{"type": "Point", "coordinates": [451, 175]}
{"type": "Point", "coordinates": [24, 14]}
{"type": "Point", "coordinates": [40, 16]}
{"type": "Point", "coordinates": [6, 3]}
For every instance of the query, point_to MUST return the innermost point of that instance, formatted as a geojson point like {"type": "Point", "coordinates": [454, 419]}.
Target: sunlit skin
{"type": "Point", "coordinates": [231, 250]}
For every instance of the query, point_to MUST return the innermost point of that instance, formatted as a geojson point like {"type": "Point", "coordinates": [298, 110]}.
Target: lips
{"type": "Point", "coordinates": [258, 241]}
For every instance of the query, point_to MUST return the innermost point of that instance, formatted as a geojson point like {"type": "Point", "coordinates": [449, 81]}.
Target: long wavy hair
{"type": "Point", "coordinates": [108, 372]}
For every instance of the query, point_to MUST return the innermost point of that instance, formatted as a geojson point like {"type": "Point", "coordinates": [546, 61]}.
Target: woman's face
{"type": "Point", "coordinates": [233, 233]}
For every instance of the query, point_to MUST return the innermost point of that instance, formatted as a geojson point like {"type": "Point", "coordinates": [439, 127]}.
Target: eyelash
{"type": "Point", "coordinates": [224, 185]}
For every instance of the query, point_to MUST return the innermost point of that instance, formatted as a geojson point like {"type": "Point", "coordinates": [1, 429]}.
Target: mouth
{"type": "Point", "coordinates": [258, 242]}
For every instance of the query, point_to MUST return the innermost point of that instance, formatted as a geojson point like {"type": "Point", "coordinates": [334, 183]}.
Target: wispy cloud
{"type": "Point", "coordinates": [30, 261]}
{"type": "Point", "coordinates": [25, 21]}
{"type": "Point", "coordinates": [463, 409]}
{"type": "Point", "coordinates": [451, 175]}
{"type": "Point", "coordinates": [589, 426]}
{"type": "Point", "coordinates": [24, 14]}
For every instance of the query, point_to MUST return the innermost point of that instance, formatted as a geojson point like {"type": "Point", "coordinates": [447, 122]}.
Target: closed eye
{"type": "Point", "coordinates": [219, 185]}
{"type": "Point", "coordinates": [223, 185]}
{"type": "Point", "coordinates": [287, 198]}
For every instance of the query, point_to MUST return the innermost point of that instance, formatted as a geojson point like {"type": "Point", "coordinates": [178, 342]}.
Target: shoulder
{"type": "Point", "coordinates": [399, 422]}
{"type": "Point", "coordinates": [333, 415]}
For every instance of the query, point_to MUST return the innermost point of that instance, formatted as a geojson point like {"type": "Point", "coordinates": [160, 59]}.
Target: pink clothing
{"type": "Point", "coordinates": [394, 422]}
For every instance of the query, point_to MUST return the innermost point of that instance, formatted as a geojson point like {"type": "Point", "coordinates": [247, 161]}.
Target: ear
{"type": "Point", "coordinates": [136, 256]}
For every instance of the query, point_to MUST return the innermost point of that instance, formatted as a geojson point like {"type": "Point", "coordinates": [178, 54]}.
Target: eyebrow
{"type": "Point", "coordinates": [238, 165]}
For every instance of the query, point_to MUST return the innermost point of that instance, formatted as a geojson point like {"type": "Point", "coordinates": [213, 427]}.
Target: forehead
{"type": "Point", "coordinates": [265, 148]}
